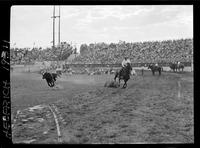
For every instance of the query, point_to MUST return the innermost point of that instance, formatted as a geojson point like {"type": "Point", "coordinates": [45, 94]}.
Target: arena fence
{"type": "Point", "coordinates": [119, 65]}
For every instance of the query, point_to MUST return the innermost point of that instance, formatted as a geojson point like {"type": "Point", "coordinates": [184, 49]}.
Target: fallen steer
{"type": "Point", "coordinates": [113, 84]}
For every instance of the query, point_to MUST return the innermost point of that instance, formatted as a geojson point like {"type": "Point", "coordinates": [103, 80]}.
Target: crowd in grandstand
{"type": "Point", "coordinates": [139, 52]}
{"type": "Point", "coordinates": [27, 55]}
{"type": "Point", "coordinates": [113, 53]}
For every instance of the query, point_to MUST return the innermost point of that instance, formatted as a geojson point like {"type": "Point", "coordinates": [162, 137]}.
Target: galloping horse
{"type": "Point", "coordinates": [155, 68]}
{"type": "Point", "coordinates": [124, 74]}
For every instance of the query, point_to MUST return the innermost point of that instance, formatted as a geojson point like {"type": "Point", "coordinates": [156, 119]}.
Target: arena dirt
{"type": "Point", "coordinates": [147, 111]}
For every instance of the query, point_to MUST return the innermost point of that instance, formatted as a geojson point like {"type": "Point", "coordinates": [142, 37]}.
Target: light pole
{"type": "Point", "coordinates": [59, 28]}
{"type": "Point", "coordinates": [53, 26]}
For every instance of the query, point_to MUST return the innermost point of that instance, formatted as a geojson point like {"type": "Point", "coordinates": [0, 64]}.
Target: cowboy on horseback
{"type": "Point", "coordinates": [155, 67]}
{"type": "Point", "coordinates": [178, 63]}
{"type": "Point", "coordinates": [125, 61]}
{"type": "Point", "coordinates": [179, 66]}
{"type": "Point", "coordinates": [124, 72]}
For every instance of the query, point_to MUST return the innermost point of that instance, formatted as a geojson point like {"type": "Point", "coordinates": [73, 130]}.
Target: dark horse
{"type": "Point", "coordinates": [155, 68]}
{"type": "Point", "coordinates": [50, 78]}
{"type": "Point", "coordinates": [176, 67]}
{"type": "Point", "coordinates": [180, 66]}
{"type": "Point", "coordinates": [124, 74]}
{"type": "Point", "coordinates": [173, 66]}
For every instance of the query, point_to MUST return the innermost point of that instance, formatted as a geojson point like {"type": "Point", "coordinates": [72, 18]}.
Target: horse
{"type": "Point", "coordinates": [50, 78]}
{"type": "Point", "coordinates": [173, 66]}
{"type": "Point", "coordinates": [124, 74]}
{"type": "Point", "coordinates": [155, 68]}
{"type": "Point", "coordinates": [176, 67]}
{"type": "Point", "coordinates": [180, 66]}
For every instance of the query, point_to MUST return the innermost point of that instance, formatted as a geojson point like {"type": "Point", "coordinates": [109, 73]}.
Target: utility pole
{"type": "Point", "coordinates": [54, 17]}
{"type": "Point", "coordinates": [53, 26]}
{"type": "Point", "coordinates": [59, 29]}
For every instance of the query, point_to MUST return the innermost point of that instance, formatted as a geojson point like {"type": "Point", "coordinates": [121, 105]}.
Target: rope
{"type": "Point", "coordinates": [57, 124]}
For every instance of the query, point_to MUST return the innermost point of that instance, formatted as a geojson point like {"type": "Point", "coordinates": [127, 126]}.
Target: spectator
{"type": "Point", "coordinates": [101, 53]}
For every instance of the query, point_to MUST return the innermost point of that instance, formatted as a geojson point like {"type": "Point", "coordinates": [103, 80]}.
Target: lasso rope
{"type": "Point", "coordinates": [57, 124]}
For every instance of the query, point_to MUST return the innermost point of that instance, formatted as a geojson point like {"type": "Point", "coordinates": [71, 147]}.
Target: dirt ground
{"type": "Point", "coordinates": [152, 109]}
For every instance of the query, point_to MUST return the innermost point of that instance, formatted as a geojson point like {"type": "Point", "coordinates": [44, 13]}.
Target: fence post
{"type": "Point", "coordinates": [192, 65]}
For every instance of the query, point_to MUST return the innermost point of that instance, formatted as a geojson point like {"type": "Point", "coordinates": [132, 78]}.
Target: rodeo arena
{"type": "Point", "coordinates": [59, 95]}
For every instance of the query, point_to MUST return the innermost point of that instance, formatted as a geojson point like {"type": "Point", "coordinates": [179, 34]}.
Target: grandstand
{"type": "Point", "coordinates": [100, 53]}
{"type": "Point", "coordinates": [139, 52]}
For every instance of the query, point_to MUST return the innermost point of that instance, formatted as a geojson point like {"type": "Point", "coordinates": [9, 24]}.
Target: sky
{"type": "Point", "coordinates": [32, 26]}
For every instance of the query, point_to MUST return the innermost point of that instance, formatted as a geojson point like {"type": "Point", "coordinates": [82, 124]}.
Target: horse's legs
{"type": "Point", "coordinates": [50, 84]}
{"type": "Point", "coordinates": [115, 76]}
{"type": "Point", "coordinates": [125, 84]}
